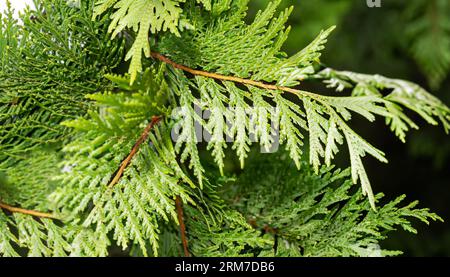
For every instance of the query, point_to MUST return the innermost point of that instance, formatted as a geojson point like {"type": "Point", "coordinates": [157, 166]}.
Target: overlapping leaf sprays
{"type": "Point", "coordinates": [117, 178]}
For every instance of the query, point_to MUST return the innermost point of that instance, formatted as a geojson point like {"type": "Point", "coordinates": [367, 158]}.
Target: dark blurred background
{"type": "Point", "coordinates": [401, 39]}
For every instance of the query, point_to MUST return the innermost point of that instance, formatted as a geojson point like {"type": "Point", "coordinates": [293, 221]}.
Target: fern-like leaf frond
{"type": "Point", "coordinates": [143, 17]}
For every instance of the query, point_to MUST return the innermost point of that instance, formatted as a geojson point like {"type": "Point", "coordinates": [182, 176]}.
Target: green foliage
{"type": "Point", "coordinates": [141, 16]}
{"type": "Point", "coordinates": [310, 214]}
{"type": "Point", "coordinates": [49, 62]}
{"type": "Point", "coordinates": [418, 31]}
{"type": "Point", "coordinates": [27, 183]}
{"type": "Point", "coordinates": [230, 237]}
{"type": "Point", "coordinates": [132, 208]}
{"type": "Point", "coordinates": [312, 18]}
{"type": "Point", "coordinates": [227, 45]}
{"type": "Point", "coordinates": [402, 92]}
{"type": "Point", "coordinates": [112, 172]}
{"type": "Point", "coordinates": [237, 44]}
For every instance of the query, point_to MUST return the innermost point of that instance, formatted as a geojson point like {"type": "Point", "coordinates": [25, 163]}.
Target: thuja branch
{"type": "Point", "coordinates": [126, 162]}
{"type": "Point", "coordinates": [233, 78]}
{"type": "Point", "coordinates": [134, 150]}
{"type": "Point", "coordinates": [300, 93]}
{"type": "Point", "coordinates": [25, 211]}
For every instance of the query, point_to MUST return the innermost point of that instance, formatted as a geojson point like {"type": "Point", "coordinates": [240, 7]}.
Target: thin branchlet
{"type": "Point", "coordinates": [234, 79]}
{"type": "Point", "coordinates": [124, 164]}
{"type": "Point", "coordinates": [27, 212]}
{"type": "Point", "coordinates": [180, 213]}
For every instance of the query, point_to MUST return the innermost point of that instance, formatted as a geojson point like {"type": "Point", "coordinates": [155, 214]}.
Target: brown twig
{"type": "Point", "coordinates": [179, 207]}
{"type": "Point", "coordinates": [25, 211]}
{"type": "Point", "coordinates": [127, 160]}
{"type": "Point", "coordinates": [227, 78]}
{"type": "Point", "coordinates": [267, 228]}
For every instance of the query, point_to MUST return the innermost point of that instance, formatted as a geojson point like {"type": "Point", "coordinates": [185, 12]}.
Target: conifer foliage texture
{"type": "Point", "coordinates": [119, 119]}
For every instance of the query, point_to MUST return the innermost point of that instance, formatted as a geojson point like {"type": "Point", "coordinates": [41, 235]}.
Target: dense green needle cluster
{"type": "Point", "coordinates": [111, 109]}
